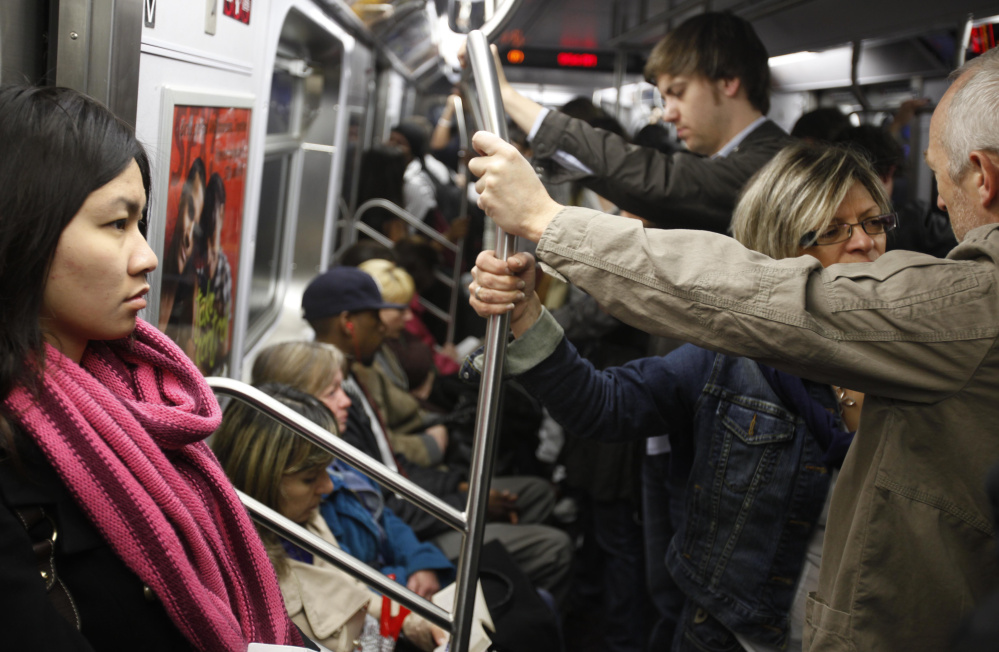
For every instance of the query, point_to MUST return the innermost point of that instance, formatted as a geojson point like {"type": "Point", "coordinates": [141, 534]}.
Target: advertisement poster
{"type": "Point", "coordinates": [238, 9]}
{"type": "Point", "coordinates": [204, 216]}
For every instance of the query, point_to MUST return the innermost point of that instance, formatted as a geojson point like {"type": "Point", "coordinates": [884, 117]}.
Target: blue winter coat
{"type": "Point", "coordinates": [366, 529]}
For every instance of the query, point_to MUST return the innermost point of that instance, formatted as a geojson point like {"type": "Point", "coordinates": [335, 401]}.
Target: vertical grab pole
{"type": "Point", "coordinates": [463, 144]}
{"type": "Point", "coordinates": [494, 120]}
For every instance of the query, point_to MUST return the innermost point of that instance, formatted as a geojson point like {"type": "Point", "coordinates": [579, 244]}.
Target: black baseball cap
{"type": "Point", "coordinates": [342, 289]}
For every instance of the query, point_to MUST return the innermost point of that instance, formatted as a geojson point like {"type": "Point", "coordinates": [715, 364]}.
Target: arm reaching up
{"type": "Point", "coordinates": [509, 190]}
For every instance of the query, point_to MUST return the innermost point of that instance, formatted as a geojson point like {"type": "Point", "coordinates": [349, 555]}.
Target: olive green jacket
{"type": "Point", "coordinates": [909, 548]}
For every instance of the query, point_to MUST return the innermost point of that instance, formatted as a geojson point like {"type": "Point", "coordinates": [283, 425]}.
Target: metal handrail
{"type": "Point", "coordinates": [472, 523]}
{"type": "Point", "coordinates": [374, 469]}
{"type": "Point", "coordinates": [355, 225]}
{"type": "Point", "coordinates": [459, 117]}
{"type": "Point", "coordinates": [406, 216]}
{"type": "Point", "coordinates": [338, 447]}
{"type": "Point", "coordinates": [312, 542]}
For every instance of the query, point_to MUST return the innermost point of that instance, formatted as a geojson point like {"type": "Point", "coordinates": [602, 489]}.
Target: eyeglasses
{"type": "Point", "coordinates": [836, 233]}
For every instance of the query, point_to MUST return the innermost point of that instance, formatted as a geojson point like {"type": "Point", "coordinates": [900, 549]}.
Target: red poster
{"type": "Point", "coordinates": [204, 220]}
{"type": "Point", "coordinates": [238, 9]}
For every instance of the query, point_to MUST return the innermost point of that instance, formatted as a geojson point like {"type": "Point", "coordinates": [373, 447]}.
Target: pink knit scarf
{"type": "Point", "coordinates": [124, 430]}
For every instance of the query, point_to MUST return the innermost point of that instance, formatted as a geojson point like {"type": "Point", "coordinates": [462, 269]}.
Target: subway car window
{"type": "Point", "coordinates": [270, 226]}
{"type": "Point", "coordinates": [299, 170]}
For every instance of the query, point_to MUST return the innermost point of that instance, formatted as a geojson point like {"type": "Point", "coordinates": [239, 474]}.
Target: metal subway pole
{"type": "Point", "coordinates": [494, 120]}
{"type": "Point", "coordinates": [463, 144]}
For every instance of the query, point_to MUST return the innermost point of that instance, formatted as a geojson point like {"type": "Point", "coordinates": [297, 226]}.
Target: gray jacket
{"type": "Point", "coordinates": [909, 548]}
{"type": "Point", "coordinates": [678, 191]}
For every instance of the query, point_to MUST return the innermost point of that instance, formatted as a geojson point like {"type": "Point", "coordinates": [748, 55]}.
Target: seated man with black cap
{"type": "Point", "coordinates": [342, 307]}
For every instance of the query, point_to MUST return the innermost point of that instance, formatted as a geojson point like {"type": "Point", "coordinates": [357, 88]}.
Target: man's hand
{"type": "Point", "coordinates": [509, 190]}
{"type": "Point", "coordinates": [501, 286]}
{"type": "Point", "coordinates": [423, 583]}
{"type": "Point", "coordinates": [439, 434]}
{"type": "Point", "coordinates": [502, 505]}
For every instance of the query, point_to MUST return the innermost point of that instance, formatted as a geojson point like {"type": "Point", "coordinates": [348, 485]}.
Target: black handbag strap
{"type": "Point", "coordinates": [44, 549]}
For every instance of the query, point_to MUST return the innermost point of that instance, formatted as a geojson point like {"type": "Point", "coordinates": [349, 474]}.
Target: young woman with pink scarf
{"type": "Point", "coordinates": [118, 528]}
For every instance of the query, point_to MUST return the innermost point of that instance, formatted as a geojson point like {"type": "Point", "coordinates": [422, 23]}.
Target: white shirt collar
{"type": "Point", "coordinates": [739, 137]}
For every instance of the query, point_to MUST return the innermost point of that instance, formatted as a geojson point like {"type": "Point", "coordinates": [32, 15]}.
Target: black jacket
{"type": "Point", "coordinates": [676, 191]}
{"type": "Point", "coordinates": [114, 613]}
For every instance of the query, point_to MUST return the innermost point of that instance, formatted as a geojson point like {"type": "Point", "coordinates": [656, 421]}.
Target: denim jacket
{"type": "Point", "coordinates": [747, 473]}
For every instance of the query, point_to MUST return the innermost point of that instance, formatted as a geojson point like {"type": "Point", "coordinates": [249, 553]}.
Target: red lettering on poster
{"type": "Point", "coordinates": [238, 9]}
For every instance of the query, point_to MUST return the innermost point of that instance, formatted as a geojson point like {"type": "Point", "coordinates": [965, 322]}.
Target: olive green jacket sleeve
{"type": "Point", "coordinates": [909, 325]}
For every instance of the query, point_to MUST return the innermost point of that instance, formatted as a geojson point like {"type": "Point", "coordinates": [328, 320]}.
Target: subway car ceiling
{"type": "Point", "coordinates": [898, 40]}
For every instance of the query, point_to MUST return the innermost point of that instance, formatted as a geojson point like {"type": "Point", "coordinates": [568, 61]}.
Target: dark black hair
{"type": "Point", "coordinates": [416, 138]}
{"type": "Point", "coordinates": [382, 170]}
{"type": "Point", "coordinates": [418, 257]}
{"type": "Point", "coordinates": [883, 151]}
{"type": "Point", "coordinates": [715, 46]}
{"type": "Point", "coordinates": [214, 197]}
{"type": "Point", "coordinates": [582, 108]}
{"type": "Point", "coordinates": [196, 174]}
{"type": "Point", "coordinates": [656, 136]}
{"type": "Point", "coordinates": [822, 125]}
{"type": "Point", "coordinates": [58, 147]}
{"type": "Point", "coordinates": [364, 250]}
{"type": "Point", "coordinates": [197, 171]}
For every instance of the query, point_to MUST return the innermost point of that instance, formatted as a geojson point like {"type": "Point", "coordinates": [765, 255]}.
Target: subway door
{"type": "Point", "coordinates": [307, 148]}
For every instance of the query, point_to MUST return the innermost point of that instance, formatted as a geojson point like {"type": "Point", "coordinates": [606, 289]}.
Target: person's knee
{"type": "Point", "coordinates": [535, 499]}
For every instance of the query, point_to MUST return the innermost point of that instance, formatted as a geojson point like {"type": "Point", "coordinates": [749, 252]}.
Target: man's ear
{"type": "Point", "coordinates": [985, 176]}
{"type": "Point", "coordinates": [730, 87]}
{"type": "Point", "coordinates": [344, 324]}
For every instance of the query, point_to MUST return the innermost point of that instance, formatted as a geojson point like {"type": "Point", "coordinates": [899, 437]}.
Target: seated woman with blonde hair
{"type": "Point", "coordinates": [292, 476]}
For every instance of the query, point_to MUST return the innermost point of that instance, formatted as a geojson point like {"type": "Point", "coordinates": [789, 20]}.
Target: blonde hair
{"type": "Point", "coordinates": [799, 192]}
{"type": "Point", "coordinates": [395, 283]}
{"type": "Point", "coordinates": [309, 367]}
{"type": "Point", "coordinates": [257, 452]}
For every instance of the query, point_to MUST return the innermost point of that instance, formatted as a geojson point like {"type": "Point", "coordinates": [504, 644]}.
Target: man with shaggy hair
{"type": "Point", "coordinates": [713, 74]}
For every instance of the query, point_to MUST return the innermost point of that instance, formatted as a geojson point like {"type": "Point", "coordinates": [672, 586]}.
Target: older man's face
{"type": "Point", "coordinates": [956, 196]}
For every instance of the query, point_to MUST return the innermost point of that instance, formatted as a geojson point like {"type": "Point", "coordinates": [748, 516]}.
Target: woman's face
{"type": "Point", "coordinates": [97, 280]}
{"type": "Point", "coordinates": [337, 401]}
{"type": "Point", "coordinates": [300, 493]}
{"type": "Point", "coordinates": [860, 248]}
{"type": "Point", "coordinates": [395, 321]}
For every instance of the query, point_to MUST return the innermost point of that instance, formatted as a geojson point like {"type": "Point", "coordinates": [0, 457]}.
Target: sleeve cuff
{"type": "Point", "coordinates": [534, 346]}
{"type": "Point", "coordinates": [537, 124]}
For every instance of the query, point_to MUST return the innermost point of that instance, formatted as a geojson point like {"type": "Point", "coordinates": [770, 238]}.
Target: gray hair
{"type": "Point", "coordinates": [798, 192]}
{"type": "Point", "coordinates": [971, 122]}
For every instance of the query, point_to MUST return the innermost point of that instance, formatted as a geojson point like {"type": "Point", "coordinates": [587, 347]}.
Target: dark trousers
{"type": "Point", "coordinates": [659, 502]}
